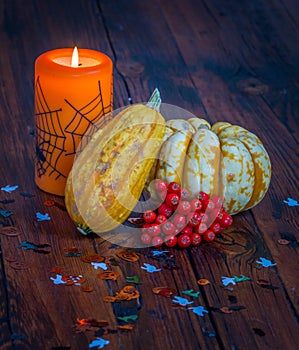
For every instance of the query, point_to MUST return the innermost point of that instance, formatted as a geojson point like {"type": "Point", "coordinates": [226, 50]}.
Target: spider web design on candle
{"type": "Point", "coordinates": [50, 136]}
{"type": "Point", "coordinates": [87, 120]}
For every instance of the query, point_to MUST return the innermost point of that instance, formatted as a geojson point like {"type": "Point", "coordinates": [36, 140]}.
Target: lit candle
{"type": "Point", "coordinates": [73, 93]}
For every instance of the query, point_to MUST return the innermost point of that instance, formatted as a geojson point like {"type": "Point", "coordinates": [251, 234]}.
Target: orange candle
{"type": "Point", "coordinates": [73, 93]}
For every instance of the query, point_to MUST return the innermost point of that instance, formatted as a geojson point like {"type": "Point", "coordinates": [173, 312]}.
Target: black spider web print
{"type": "Point", "coordinates": [50, 137]}
{"type": "Point", "coordinates": [87, 120]}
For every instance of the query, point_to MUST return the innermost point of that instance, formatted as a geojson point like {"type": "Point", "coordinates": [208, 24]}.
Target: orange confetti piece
{"type": "Point", "coordinates": [89, 258]}
{"type": "Point", "coordinates": [86, 289]}
{"type": "Point", "coordinates": [49, 203]}
{"type": "Point", "coordinates": [125, 327]}
{"type": "Point", "coordinates": [109, 275]}
{"type": "Point", "coordinates": [203, 282]}
{"type": "Point", "coordinates": [128, 256]}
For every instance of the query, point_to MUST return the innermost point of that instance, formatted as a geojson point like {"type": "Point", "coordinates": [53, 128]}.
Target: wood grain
{"type": "Point", "coordinates": [218, 60]}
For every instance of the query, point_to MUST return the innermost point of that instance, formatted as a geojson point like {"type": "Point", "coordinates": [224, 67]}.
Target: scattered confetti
{"type": "Point", "coordinates": [57, 279]}
{"type": "Point", "coordinates": [203, 282]}
{"type": "Point", "coordinates": [191, 293]}
{"type": "Point", "coordinates": [182, 301]}
{"type": "Point", "coordinates": [241, 279]}
{"type": "Point", "coordinates": [38, 248]}
{"type": "Point", "coordinates": [76, 280]}
{"type": "Point", "coordinates": [86, 289]}
{"type": "Point", "coordinates": [108, 275]}
{"type": "Point", "coordinates": [226, 310]}
{"type": "Point", "coordinates": [283, 241]}
{"type": "Point", "coordinates": [49, 203]}
{"type": "Point", "coordinates": [98, 343]}
{"type": "Point", "coordinates": [291, 202]}
{"type": "Point", "coordinates": [127, 293]}
{"type": "Point", "coordinates": [27, 195]}
{"type": "Point", "coordinates": [150, 268]}
{"type": "Point", "coordinates": [133, 279]}
{"type": "Point", "coordinates": [42, 217]}
{"type": "Point", "coordinates": [265, 262]}
{"type": "Point", "coordinates": [72, 252]}
{"type": "Point", "coordinates": [125, 327]}
{"type": "Point", "coordinates": [10, 231]}
{"type": "Point", "coordinates": [128, 256]}
{"type": "Point", "coordinates": [228, 280]}
{"type": "Point", "coordinates": [89, 258]}
{"type": "Point", "coordinates": [159, 252]}
{"type": "Point", "coordinates": [129, 318]}
{"type": "Point", "coordinates": [9, 188]}
{"type": "Point", "coordinates": [101, 265]}
{"type": "Point", "coordinates": [198, 310]}
{"type": "Point", "coordinates": [164, 291]}
{"type": "Point", "coordinates": [6, 213]}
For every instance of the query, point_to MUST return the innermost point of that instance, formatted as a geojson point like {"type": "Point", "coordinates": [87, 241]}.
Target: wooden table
{"type": "Point", "coordinates": [221, 60]}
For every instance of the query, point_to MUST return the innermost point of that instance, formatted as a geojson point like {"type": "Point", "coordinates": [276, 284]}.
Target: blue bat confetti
{"type": "Point", "coordinates": [150, 268]}
{"type": "Point", "coordinates": [57, 279]}
{"type": "Point", "coordinates": [159, 252]}
{"type": "Point", "coordinates": [228, 280]}
{"type": "Point", "coordinates": [182, 301]}
{"type": "Point", "coordinates": [198, 310]}
{"type": "Point", "coordinates": [98, 343]}
{"type": "Point", "coordinates": [6, 213]}
{"type": "Point", "coordinates": [9, 188]}
{"type": "Point", "coordinates": [291, 202]}
{"type": "Point", "coordinates": [102, 265]}
{"type": "Point", "coordinates": [265, 262]}
{"type": "Point", "coordinates": [42, 217]}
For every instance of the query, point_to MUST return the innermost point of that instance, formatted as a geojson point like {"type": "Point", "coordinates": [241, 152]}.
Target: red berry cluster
{"type": "Point", "coordinates": [182, 220]}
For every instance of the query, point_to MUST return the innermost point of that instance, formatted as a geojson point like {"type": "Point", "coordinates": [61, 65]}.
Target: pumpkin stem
{"type": "Point", "coordinates": [155, 100]}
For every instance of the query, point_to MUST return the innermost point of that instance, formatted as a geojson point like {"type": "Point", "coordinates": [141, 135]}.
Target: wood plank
{"type": "Point", "coordinates": [194, 54]}
{"type": "Point", "coordinates": [240, 88]}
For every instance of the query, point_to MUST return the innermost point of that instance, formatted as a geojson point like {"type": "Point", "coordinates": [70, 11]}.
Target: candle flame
{"type": "Point", "coordinates": [75, 57]}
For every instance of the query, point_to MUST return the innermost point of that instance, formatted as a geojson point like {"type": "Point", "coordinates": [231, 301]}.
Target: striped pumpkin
{"type": "Point", "coordinates": [222, 159]}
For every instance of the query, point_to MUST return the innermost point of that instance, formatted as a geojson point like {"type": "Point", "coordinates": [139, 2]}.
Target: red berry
{"type": "Point", "coordinates": [215, 227]}
{"type": "Point", "coordinates": [203, 196]}
{"type": "Point", "coordinates": [201, 228]}
{"type": "Point", "coordinates": [160, 185]}
{"type": "Point", "coordinates": [184, 240]}
{"type": "Point", "coordinates": [149, 216]}
{"type": "Point", "coordinates": [208, 236]}
{"type": "Point", "coordinates": [172, 199]}
{"type": "Point", "coordinates": [170, 241]}
{"type": "Point", "coordinates": [188, 230]}
{"type": "Point", "coordinates": [204, 218]}
{"type": "Point", "coordinates": [157, 241]}
{"type": "Point", "coordinates": [226, 220]}
{"type": "Point", "coordinates": [145, 238]}
{"type": "Point", "coordinates": [184, 194]}
{"type": "Point", "coordinates": [218, 201]}
{"type": "Point", "coordinates": [174, 187]}
{"type": "Point", "coordinates": [179, 221]}
{"type": "Point", "coordinates": [165, 209]}
{"type": "Point", "coordinates": [195, 239]}
{"type": "Point", "coordinates": [160, 219]}
{"type": "Point", "coordinates": [195, 205]}
{"type": "Point", "coordinates": [168, 228]}
{"type": "Point", "coordinates": [154, 230]}
{"type": "Point", "coordinates": [194, 219]}
{"type": "Point", "coordinates": [184, 207]}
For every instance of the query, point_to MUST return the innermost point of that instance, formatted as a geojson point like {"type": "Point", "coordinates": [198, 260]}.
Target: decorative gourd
{"type": "Point", "coordinates": [225, 160]}
{"type": "Point", "coordinates": [109, 175]}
